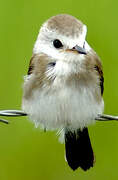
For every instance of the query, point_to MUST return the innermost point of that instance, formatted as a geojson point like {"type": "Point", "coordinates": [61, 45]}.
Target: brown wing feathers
{"type": "Point", "coordinates": [99, 70]}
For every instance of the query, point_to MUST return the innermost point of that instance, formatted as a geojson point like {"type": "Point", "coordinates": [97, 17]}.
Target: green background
{"type": "Point", "coordinates": [27, 152]}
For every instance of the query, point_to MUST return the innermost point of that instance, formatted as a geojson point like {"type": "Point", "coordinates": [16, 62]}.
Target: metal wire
{"type": "Point", "coordinates": [106, 117]}
{"type": "Point", "coordinates": [4, 121]}
{"type": "Point", "coordinates": [12, 113]}
{"type": "Point", "coordinates": [16, 113]}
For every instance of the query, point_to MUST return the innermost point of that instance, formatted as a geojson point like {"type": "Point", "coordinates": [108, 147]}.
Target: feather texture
{"type": "Point", "coordinates": [78, 148]}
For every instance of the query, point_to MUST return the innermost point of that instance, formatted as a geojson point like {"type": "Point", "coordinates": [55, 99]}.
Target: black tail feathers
{"type": "Point", "coordinates": [78, 148]}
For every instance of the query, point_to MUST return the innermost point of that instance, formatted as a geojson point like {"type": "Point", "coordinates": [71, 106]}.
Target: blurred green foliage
{"type": "Point", "coordinates": [29, 153]}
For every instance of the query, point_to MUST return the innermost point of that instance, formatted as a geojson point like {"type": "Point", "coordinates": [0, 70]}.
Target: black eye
{"type": "Point", "coordinates": [57, 43]}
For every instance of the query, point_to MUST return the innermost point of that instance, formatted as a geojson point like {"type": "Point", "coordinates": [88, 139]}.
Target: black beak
{"type": "Point", "coordinates": [80, 49]}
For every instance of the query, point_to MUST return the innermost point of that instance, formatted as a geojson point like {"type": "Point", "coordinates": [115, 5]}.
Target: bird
{"type": "Point", "coordinates": [63, 88]}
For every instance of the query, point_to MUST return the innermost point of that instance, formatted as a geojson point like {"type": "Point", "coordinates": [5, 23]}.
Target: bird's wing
{"type": "Point", "coordinates": [100, 72]}
{"type": "Point", "coordinates": [31, 65]}
{"type": "Point", "coordinates": [94, 59]}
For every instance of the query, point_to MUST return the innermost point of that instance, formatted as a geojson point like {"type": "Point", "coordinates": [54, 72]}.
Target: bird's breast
{"type": "Point", "coordinates": [63, 106]}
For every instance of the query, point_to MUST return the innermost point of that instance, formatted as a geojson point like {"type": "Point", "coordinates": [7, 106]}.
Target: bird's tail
{"type": "Point", "coordinates": [78, 148]}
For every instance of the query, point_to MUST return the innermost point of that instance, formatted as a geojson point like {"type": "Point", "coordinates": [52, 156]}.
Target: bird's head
{"type": "Point", "coordinates": [62, 37]}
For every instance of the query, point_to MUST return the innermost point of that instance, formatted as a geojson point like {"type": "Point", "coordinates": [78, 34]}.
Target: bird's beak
{"type": "Point", "coordinates": [79, 49]}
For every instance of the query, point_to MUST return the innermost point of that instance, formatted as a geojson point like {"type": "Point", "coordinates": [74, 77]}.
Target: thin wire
{"type": "Point", "coordinates": [12, 113]}
{"type": "Point", "coordinates": [16, 113]}
{"type": "Point", "coordinates": [4, 121]}
{"type": "Point", "coordinates": [106, 117]}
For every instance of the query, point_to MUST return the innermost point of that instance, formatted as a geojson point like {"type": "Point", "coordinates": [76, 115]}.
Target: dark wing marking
{"type": "Point", "coordinates": [99, 70]}
{"type": "Point", "coordinates": [31, 66]}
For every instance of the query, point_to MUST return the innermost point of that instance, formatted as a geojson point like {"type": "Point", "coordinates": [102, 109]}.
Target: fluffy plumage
{"type": "Point", "coordinates": [63, 88]}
